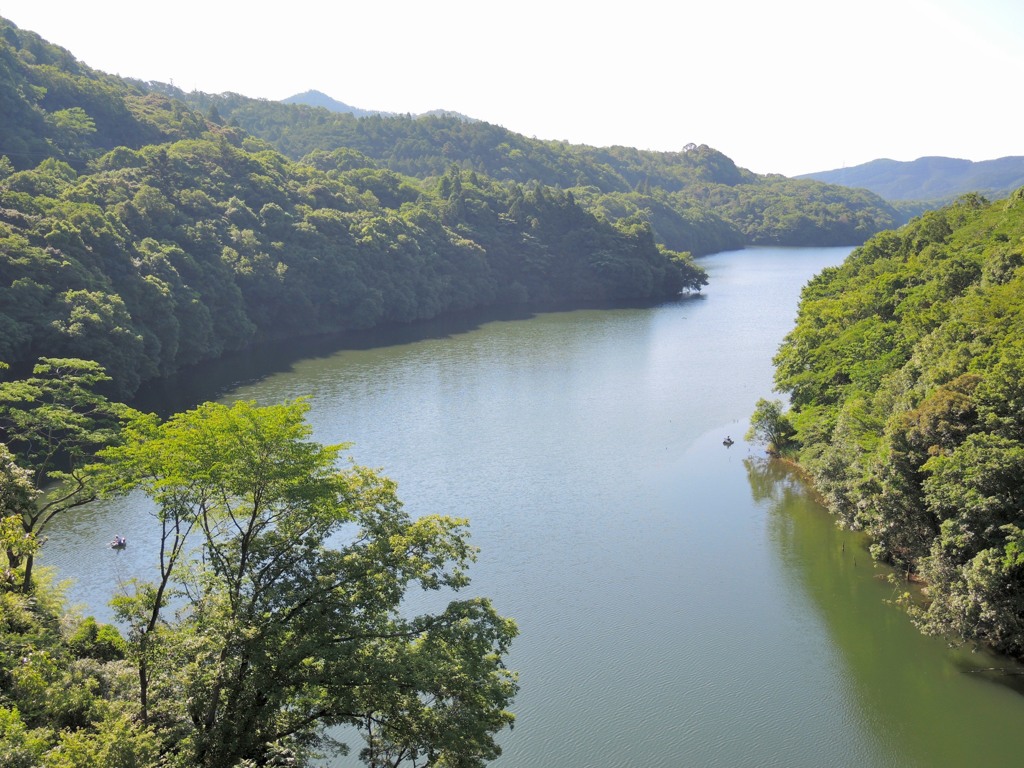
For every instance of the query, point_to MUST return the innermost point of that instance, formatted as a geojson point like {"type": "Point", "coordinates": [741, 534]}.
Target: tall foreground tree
{"type": "Point", "coordinates": [287, 616]}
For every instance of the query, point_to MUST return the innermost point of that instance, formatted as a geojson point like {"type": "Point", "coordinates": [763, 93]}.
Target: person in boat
{"type": "Point", "coordinates": [727, 441]}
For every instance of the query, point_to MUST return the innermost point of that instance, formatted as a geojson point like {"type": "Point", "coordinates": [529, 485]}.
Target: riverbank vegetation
{"type": "Point", "coordinates": [149, 229]}
{"type": "Point", "coordinates": [904, 373]}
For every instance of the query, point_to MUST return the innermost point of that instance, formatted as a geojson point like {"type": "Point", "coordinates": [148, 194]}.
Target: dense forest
{"type": "Point", "coordinates": [904, 373]}
{"type": "Point", "coordinates": [137, 233]}
{"type": "Point", "coordinates": [696, 200]}
{"type": "Point", "coordinates": [149, 229]}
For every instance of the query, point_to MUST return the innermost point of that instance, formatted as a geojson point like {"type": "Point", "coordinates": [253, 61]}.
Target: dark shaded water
{"type": "Point", "coordinates": [680, 603]}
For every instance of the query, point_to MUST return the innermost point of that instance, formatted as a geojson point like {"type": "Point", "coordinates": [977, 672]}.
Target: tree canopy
{"type": "Point", "coordinates": [904, 373]}
{"type": "Point", "coordinates": [150, 229]}
{"type": "Point", "coordinates": [141, 234]}
{"type": "Point", "coordinates": [277, 611]}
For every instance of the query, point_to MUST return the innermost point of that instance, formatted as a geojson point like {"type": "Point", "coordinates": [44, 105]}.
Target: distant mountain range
{"type": "Point", "coordinates": [930, 178]}
{"type": "Point", "coordinates": [320, 99]}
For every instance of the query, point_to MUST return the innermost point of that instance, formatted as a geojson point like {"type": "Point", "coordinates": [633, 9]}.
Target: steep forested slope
{"type": "Point", "coordinates": [150, 237]}
{"type": "Point", "coordinates": [906, 377]}
{"type": "Point", "coordinates": [704, 198]}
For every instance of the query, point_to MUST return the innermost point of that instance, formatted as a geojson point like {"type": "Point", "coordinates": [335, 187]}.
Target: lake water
{"type": "Point", "coordinates": [680, 603]}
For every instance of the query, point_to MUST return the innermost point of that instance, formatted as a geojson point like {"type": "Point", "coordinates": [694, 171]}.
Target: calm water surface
{"type": "Point", "coordinates": [680, 603]}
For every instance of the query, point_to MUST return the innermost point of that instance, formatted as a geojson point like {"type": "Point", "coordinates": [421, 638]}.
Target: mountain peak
{"type": "Point", "coordinates": [314, 98]}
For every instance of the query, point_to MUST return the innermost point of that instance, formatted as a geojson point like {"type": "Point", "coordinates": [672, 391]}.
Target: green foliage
{"type": "Point", "coordinates": [18, 497]}
{"type": "Point", "coordinates": [54, 106]}
{"type": "Point", "coordinates": [289, 579]}
{"type": "Point", "coordinates": [769, 426]}
{"type": "Point", "coordinates": [22, 748]}
{"type": "Point", "coordinates": [702, 202]}
{"type": "Point", "coordinates": [293, 619]}
{"type": "Point", "coordinates": [57, 709]}
{"type": "Point", "coordinates": [904, 372]}
{"type": "Point", "coordinates": [677, 223]}
{"type": "Point", "coordinates": [164, 257]}
{"type": "Point", "coordinates": [116, 742]}
{"type": "Point", "coordinates": [149, 229]}
{"type": "Point", "coordinates": [97, 641]}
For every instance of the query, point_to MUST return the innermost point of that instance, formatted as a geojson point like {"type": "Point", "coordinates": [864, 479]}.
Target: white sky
{"type": "Point", "coordinates": [783, 86]}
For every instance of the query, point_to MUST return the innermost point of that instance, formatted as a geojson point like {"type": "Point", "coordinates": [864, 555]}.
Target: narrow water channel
{"type": "Point", "coordinates": [680, 603]}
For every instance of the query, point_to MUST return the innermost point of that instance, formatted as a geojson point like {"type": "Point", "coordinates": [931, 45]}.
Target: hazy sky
{"type": "Point", "coordinates": [789, 86]}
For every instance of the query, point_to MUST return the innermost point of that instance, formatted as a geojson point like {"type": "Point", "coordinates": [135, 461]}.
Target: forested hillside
{"type": "Point", "coordinates": [137, 237]}
{"type": "Point", "coordinates": [138, 233]}
{"type": "Point", "coordinates": [149, 229]}
{"type": "Point", "coordinates": [906, 377]}
{"type": "Point", "coordinates": [697, 199]}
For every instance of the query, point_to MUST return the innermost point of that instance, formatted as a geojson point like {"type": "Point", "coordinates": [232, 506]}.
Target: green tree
{"type": "Point", "coordinates": [291, 620]}
{"type": "Point", "coordinates": [61, 707]}
{"type": "Point", "coordinates": [770, 426]}
{"type": "Point", "coordinates": [976, 569]}
{"type": "Point", "coordinates": [17, 500]}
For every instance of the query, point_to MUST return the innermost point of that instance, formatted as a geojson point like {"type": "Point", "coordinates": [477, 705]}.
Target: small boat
{"type": "Point", "coordinates": [119, 542]}
{"type": "Point", "coordinates": [728, 441]}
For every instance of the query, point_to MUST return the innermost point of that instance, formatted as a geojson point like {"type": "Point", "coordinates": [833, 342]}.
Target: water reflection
{"type": "Point", "coordinates": [926, 703]}
{"type": "Point", "coordinates": [214, 379]}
